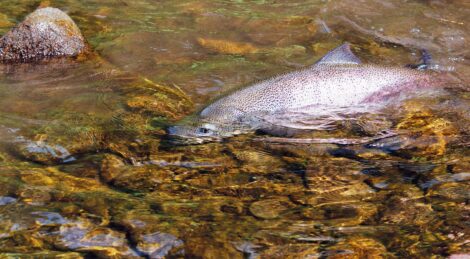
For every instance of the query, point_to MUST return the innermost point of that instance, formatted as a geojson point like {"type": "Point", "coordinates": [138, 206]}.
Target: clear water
{"type": "Point", "coordinates": [85, 171]}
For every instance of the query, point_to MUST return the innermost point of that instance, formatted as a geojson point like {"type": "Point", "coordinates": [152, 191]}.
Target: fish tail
{"type": "Point", "coordinates": [426, 61]}
{"type": "Point", "coordinates": [426, 57]}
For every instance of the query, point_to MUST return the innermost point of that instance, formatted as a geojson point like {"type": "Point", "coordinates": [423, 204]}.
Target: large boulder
{"type": "Point", "coordinates": [45, 33]}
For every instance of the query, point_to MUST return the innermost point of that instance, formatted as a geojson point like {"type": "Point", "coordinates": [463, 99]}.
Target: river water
{"type": "Point", "coordinates": [85, 170]}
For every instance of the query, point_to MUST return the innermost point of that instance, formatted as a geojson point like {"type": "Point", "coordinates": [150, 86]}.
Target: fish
{"type": "Point", "coordinates": [338, 83]}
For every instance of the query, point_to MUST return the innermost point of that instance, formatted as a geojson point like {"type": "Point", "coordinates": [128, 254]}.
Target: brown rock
{"type": "Point", "coordinates": [292, 251]}
{"type": "Point", "coordinates": [138, 178]}
{"type": "Point", "coordinates": [111, 167]}
{"type": "Point", "coordinates": [454, 191]}
{"type": "Point", "coordinates": [45, 33]}
{"type": "Point", "coordinates": [83, 236]}
{"type": "Point", "coordinates": [342, 213]}
{"type": "Point", "coordinates": [269, 208]}
{"type": "Point", "coordinates": [357, 247]}
{"type": "Point", "coordinates": [227, 47]}
{"type": "Point", "coordinates": [158, 245]}
{"type": "Point", "coordinates": [218, 248]}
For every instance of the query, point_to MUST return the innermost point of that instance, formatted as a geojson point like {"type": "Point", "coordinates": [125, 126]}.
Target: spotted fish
{"type": "Point", "coordinates": [337, 83]}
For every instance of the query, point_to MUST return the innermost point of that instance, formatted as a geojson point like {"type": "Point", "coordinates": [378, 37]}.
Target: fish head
{"type": "Point", "coordinates": [200, 131]}
{"type": "Point", "coordinates": [212, 125]}
{"type": "Point", "coordinates": [194, 133]}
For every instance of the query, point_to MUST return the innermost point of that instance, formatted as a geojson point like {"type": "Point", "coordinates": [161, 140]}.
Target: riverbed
{"type": "Point", "coordinates": [86, 171]}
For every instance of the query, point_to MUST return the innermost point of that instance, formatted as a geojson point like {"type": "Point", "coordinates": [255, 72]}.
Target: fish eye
{"type": "Point", "coordinates": [203, 130]}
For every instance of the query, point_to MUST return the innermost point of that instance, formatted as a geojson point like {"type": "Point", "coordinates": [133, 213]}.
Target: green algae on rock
{"type": "Point", "coordinates": [45, 33]}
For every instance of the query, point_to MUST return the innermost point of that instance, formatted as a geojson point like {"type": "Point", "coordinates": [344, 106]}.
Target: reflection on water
{"type": "Point", "coordinates": [128, 193]}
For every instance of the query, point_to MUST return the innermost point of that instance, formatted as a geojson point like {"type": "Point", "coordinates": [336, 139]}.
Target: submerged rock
{"type": "Point", "coordinates": [356, 247]}
{"type": "Point", "coordinates": [158, 245]}
{"type": "Point", "coordinates": [5, 200]}
{"type": "Point", "coordinates": [40, 152]}
{"type": "Point", "coordinates": [45, 33]}
{"type": "Point", "coordinates": [268, 208]}
{"type": "Point", "coordinates": [227, 47]}
{"type": "Point", "coordinates": [84, 236]}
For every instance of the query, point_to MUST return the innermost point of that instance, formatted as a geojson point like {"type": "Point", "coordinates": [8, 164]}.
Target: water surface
{"type": "Point", "coordinates": [85, 170]}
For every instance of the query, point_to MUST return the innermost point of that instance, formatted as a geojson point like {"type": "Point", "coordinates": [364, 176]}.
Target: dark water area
{"type": "Point", "coordinates": [86, 171]}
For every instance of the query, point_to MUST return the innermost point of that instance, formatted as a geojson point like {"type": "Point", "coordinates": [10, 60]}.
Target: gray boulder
{"type": "Point", "coordinates": [45, 33]}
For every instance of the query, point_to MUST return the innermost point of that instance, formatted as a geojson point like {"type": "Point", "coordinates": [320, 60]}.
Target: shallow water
{"type": "Point", "coordinates": [86, 171]}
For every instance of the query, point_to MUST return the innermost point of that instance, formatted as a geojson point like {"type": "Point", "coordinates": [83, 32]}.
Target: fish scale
{"type": "Point", "coordinates": [318, 85]}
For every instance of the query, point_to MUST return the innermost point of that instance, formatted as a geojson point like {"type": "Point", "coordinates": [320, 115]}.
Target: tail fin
{"type": "Point", "coordinates": [426, 61]}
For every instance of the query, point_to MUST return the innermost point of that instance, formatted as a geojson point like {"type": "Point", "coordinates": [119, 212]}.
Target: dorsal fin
{"type": "Point", "coordinates": [340, 55]}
